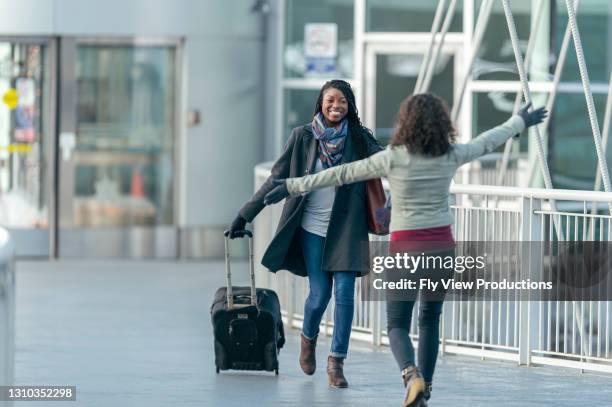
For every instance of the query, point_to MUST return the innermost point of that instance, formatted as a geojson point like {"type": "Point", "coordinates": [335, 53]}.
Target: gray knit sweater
{"type": "Point", "coordinates": [419, 184]}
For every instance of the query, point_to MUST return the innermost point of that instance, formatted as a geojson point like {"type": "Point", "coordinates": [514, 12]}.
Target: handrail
{"type": "Point", "coordinates": [536, 193]}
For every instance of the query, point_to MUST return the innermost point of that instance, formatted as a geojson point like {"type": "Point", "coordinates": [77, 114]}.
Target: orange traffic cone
{"type": "Point", "coordinates": [137, 190]}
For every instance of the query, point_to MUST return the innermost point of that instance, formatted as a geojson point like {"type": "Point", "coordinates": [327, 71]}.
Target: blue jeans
{"type": "Point", "coordinates": [321, 282]}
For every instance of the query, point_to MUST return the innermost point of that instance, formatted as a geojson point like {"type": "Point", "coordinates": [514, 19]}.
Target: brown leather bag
{"type": "Point", "coordinates": [377, 211]}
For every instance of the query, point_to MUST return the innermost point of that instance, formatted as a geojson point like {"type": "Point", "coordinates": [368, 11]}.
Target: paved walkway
{"type": "Point", "coordinates": [139, 334]}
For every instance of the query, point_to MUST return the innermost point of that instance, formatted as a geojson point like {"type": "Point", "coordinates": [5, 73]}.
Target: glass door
{"type": "Point", "coordinates": [26, 147]}
{"type": "Point", "coordinates": [391, 71]}
{"type": "Point", "coordinates": [117, 149]}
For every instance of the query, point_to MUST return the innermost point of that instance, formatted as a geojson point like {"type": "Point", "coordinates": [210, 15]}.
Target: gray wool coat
{"type": "Point", "coordinates": [346, 246]}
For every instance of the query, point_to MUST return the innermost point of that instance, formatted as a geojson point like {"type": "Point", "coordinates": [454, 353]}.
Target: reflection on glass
{"type": "Point", "coordinates": [574, 158]}
{"type": "Point", "coordinates": [570, 142]}
{"type": "Point", "coordinates": [492, 109]}
{"type": "Point", "coordinates": [300, 104]}
{"type": "Point", "coordinates": [298, 14]}
{"type": "Point", "coordinates": [125, 136]}
{"type": "Point", "coordinates": [395, 79]}
{"type": "Point", "coordinates": [406, 16]}
{"type": "Point", "coordinates": [594, 21]}
{"type": "Point", "coordinates": [23, 138]}
{"type": "Point", "coordinates": [495, 59]}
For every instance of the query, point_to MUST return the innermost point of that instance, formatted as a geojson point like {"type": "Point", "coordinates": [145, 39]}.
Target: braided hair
{"type": "Point", "coordinates": [357, 131]}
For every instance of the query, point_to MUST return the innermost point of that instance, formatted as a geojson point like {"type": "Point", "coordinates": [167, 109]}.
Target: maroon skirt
{"type": "Point", "coordinates": [422, 240]}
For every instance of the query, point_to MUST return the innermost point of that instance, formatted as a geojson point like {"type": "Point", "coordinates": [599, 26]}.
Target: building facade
{"type": "Point", "coordinates": [381, 44]}
{"type": "Point", "coordinates": [131, 128]}
{"type": "Point", "coordinates": [119, 121]}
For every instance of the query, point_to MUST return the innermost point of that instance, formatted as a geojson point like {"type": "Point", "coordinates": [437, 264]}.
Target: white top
{"type": "Point", "coordinates": [318, 207]}
{"type": "Point", "coordinates": [419, 184]}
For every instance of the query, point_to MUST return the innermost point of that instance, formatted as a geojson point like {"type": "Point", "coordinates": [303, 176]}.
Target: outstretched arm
{"type": "Point", "coordinates": [375, 166]}
{"type": "Point", "coordinates": [491, 139]}
{"type": "Point", "coordinates": [488, 141]}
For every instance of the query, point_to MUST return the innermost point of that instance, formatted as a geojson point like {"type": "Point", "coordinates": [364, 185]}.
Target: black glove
{"type": "Point", "coordinates": [278, 193]}
{"type": "Point", "coordinates": [534, 117]}
{"type": "Point", "coordinates": [237, 227]}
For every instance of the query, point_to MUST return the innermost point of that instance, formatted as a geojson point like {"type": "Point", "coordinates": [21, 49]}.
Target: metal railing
{"type": "Point", "coordinates": [564, 333]}
{"type": "Point", "coordinates": [7, 310]}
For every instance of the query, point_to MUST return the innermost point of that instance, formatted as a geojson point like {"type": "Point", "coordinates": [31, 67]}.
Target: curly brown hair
{"type": "Point", "coordinates": [424, 126]}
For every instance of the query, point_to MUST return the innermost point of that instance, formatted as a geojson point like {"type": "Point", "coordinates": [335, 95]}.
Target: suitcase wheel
{"type": "Point", "coordinates": [276, 371]}
{"type": "Point", "coordinates": [217, 368]}
{"type": "Point", "coordinates": [270, 357]}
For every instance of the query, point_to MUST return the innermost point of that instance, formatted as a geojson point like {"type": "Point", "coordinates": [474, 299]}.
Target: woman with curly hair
{"type": "Point", "coordinates": [419, 163]}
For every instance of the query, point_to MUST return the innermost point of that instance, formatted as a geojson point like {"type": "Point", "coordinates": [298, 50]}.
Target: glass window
{"type": "Point", "coordinates": [124, 136]}
{"type": "Point", "coordinates": [594, 22]}
{"type": "Point", "coordinates": [299, 108]}
{"type": "Point", "coordinates": [495, 59]}
{"type": "Point", "coordinates": [491, 109]}
{"type": "Point", "coordinates": [298, 14]}
{"type": "Point", "coordinates": [24, 135]}
{"type": "Point", "coordinates": [574, 158]}
{"type": "Point", "coordinates": [396, 76]}
{"type": "Point", "coordinates": [406, 16]}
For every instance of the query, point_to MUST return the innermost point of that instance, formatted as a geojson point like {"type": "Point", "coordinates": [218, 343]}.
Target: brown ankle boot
{"type": "Point", "coordinates": [308, 360]}
{"type": "Point", "coordinates": [415, 387]}
{"type": "Point", "coordinates": [335, 373]}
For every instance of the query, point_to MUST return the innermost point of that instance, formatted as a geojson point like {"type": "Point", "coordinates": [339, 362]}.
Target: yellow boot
{"type": "Point", "coordinates": [415, 387]}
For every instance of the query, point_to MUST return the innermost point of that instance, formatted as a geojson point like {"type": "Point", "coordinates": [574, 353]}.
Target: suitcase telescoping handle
{"type": "Point", "coordinates": [228, 272]}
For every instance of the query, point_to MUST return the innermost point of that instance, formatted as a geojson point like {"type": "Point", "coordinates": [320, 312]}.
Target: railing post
{"type": "Point", "coordinates": [291, 299]}
{"type": "Point", "coordinates": [442, 335]}
{"type": "Point", "coordinates": [531, 266]}
{"type": "Point", "coordinates": [7, 310]}
{"type": "Point", "coordinates": [376, 323]}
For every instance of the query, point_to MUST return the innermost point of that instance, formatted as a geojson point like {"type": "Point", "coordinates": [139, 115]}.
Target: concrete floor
{"type": "Point", "coordinates": [139, 334]}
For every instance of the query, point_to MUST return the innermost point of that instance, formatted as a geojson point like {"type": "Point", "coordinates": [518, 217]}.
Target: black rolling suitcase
{"type": "Point", "coordinates": [247, 323]}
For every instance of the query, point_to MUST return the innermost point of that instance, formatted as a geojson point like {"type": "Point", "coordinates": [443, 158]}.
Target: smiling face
{"type": "Point", "coordinates": [334, 107]}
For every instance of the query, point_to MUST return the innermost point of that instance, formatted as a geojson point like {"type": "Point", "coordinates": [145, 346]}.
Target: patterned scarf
{"type": "Point", "coordinates": [331, 140]}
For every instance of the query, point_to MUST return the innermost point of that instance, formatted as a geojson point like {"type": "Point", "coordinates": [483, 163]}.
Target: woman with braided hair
{"type": "Point", "coordinates": [320, 234]}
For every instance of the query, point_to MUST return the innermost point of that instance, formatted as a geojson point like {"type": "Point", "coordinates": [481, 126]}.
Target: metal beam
{"type": "Point", "coordinates": [481, 28]}
{"type": "Point", "coordinates": [534, 129]}
{"type": "Point", "coordinates": [605, 135]}
{"type": "Point", "coordinates": [519, 95]}
{"type": "Point", "coordinates": [435, 26]}
{"type": "Point", "coordinates": [450, 13]}
{"type": "Point", "coordinates": [586, 84]}
{"type": "Point", "coordinates": [552, 96]}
